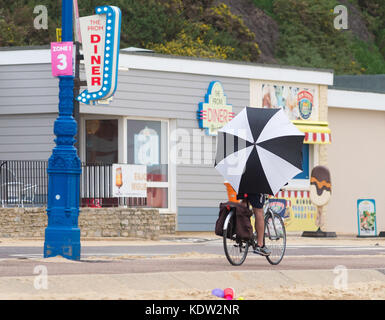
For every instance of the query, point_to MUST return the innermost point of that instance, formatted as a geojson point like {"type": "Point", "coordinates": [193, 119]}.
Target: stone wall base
{"type": "Point", "coordinates": [93, 222]}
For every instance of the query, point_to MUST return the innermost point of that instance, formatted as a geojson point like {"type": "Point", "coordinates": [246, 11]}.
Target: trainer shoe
{"type": "Point", "coordinates": [263, 251]}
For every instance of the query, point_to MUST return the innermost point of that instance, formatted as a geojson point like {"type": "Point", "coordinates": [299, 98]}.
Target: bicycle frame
{"type": "Point", "coordinates": [267, 211]}
{"type": "Point", "coordinates": [271, 213]}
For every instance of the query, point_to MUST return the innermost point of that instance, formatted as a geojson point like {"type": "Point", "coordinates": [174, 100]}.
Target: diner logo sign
{"type": "Point", "coordinates": [214, 113]}
{"type": "Point", "coordinates": [101, 41]}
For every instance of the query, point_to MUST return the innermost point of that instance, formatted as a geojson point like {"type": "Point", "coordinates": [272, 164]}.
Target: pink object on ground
{"type": "Point", "coordinates": [229, 293]}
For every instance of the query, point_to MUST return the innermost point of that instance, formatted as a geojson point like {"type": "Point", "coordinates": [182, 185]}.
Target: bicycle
{"type": "Point", "coordinates": [236, 250]}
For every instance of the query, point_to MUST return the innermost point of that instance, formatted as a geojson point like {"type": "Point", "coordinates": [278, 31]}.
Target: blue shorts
{"type": "Point", "coordinates": [257, 200]}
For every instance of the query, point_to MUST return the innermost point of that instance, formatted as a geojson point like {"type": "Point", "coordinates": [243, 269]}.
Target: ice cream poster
{"type": "Point", "coordinates": [298, 103]}
{"type": "Point", "coordinates": [366, 215]}
{"type": "Point", "coordinates": [129, 180]}
{"type": "Point", "coordinates": [298, 213]}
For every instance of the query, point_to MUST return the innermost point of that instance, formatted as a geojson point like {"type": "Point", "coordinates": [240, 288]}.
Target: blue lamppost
{"type": "Point", "coordinates": [62, 235]}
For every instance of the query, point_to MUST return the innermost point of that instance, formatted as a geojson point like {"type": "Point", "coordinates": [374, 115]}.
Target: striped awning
{"type": "Point", "coordinates": [303, 194]}
{"type": "Point", "coordinates": [315, 132]}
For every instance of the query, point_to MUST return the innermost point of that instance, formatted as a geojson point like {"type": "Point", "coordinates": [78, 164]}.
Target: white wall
{"type": "Point", "coordinates": [357, 166]}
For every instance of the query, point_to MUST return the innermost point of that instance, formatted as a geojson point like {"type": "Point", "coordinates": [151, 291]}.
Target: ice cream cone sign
{"type": "Point", "coordinates": [320, 190]}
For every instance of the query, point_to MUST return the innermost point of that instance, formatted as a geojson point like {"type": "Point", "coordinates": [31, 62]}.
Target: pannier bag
{"type": "Point", "coordinates": [243, 228]}
{"type": "Point", "coordinates": [224, 209]}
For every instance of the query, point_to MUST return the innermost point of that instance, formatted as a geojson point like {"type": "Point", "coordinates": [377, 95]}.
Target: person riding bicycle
{"type": "Point", "coordinates": [257, 201]}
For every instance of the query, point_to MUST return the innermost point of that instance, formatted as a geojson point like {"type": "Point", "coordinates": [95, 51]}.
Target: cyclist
{"type": "Point", "coordinates": [257, 201]}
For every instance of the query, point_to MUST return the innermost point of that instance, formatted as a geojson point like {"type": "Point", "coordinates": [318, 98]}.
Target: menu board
{"type": "Point", "coordinates": [366, 216]}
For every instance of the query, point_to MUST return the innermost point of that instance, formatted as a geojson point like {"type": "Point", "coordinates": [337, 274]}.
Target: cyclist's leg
{"type": "Point", "coordinates": [259, 225]}
{"type": "Point", "coordinates": [257, 201]}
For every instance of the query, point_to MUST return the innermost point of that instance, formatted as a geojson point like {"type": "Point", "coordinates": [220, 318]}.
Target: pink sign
{"type": "Point", "coordinates": [62, 58]}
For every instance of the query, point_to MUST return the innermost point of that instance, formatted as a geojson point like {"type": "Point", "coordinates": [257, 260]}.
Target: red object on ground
{"type": "Point", "coordinates": [229, 294]}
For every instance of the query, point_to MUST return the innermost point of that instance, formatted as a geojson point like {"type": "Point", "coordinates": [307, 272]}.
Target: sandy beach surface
{"type": "Point", "coordinates": [272, 284]}
{"type": "Point", "coordinates": [250, 285]}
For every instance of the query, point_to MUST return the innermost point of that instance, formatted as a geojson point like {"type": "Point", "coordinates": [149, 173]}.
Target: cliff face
{"type": "Point", "coordinates": [262, 25]}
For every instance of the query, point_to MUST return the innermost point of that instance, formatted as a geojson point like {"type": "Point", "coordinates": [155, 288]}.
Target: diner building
{"type": "Point", "coordinates": [165, 115]}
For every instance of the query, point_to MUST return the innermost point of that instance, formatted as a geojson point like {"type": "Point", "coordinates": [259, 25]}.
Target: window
{"type": "Point", "coordinates": [101, 141]}
{"type": "Point", "coordinates": [305, 163]}
{"type": "Point", "coordinates": [147, 144]}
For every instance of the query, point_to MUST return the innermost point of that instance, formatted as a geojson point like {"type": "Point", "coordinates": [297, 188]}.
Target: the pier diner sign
{"type": "Point", "coordinates": [214, 112]}
{"type": "Point", "coordinates": [101, 41]}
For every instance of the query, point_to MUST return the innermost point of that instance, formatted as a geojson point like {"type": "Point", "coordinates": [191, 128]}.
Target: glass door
{"type": "Point", "coordinates": [147, 144]}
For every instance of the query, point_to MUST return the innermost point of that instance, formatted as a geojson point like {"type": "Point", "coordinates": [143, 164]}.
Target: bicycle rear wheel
{"type": "Point", "coordinates": [275, 237]}
{"type": "Point", "coordinates": [235, 250]}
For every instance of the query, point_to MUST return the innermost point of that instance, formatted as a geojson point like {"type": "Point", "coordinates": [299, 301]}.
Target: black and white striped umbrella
{"type": "Point", "coordinates": [259, 151]}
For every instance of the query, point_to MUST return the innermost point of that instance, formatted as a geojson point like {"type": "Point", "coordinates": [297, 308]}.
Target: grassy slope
{"type": "Point", "coordinates": [308, 37]}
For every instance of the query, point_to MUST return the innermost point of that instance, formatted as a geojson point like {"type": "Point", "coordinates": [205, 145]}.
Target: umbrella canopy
{"type": "Point", "coordinates": [259, 151]}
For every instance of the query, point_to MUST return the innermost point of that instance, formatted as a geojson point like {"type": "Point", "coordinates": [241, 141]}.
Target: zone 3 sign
{"type": "Point", "coordinates": [62, 58]}
{"type": "Point", "coordinates": [100, 35]}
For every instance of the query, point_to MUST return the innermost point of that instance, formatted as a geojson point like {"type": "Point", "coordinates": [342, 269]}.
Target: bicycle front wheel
{"type": "Point", "coordinates": [275, 237]}
{"type": "Point", "coordinates": [235, 250]}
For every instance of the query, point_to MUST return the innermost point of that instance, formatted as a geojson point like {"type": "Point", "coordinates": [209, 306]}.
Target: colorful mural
{"type": "Point", "coordinates": [296, 209]}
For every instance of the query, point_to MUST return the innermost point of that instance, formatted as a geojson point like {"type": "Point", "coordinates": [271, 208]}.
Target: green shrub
{"type": "Point", "coordinates": [369, 57]}
{"type": "Point", "coordinates": [308, 37]}
{"type": "Point", "coordinates": [266, 5]}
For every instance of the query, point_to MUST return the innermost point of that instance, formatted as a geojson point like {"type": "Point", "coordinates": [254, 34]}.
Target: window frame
{"type": "Point", "coordinates": [304, 184]}
{"type": "Point", "coordinates": [122, 151]}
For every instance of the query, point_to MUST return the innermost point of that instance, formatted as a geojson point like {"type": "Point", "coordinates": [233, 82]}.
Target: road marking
{"type": "Point", "coordinates": [27, 255]}
{"type": "Point", "coordinates": [293, 248]}
{"type": "Point", "coordinates": [334, 247]}
{"type": "Point", "coordinates": [358, 248]}
{"type": "Point", "coordinates": [38, 255]}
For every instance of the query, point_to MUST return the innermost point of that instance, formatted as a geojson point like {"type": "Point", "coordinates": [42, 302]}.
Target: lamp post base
{"type": "Point", "coordinates": [319, 234]}
{"type": "Point", "coordinates": [65, 243]}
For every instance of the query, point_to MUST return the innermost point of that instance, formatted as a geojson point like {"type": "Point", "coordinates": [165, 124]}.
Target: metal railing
{"type": "Point", "coordinates": [25, 183]}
